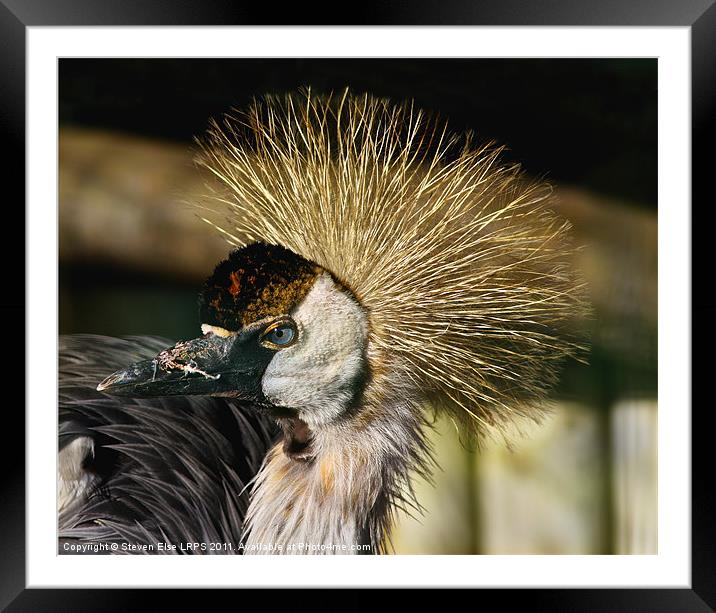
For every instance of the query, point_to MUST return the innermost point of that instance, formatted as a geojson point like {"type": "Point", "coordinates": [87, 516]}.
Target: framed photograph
{"type": "Point", "coordinates": [419, 287]}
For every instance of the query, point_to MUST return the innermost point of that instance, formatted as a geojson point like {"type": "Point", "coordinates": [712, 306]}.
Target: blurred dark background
{"type": "Point", "coordinates": [132, 257]}
{"type": "Point", "coordinates": [590, 122]}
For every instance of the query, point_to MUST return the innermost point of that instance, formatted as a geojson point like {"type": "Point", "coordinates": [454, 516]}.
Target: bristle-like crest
{"type": "Point", "coordinates": [462, 266]}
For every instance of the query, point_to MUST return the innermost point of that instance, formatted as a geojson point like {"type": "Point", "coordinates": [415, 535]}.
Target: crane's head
{"type": "Point", "coordinates": [278, 331]}
{"type": "Point", "coordinates": [413, 262]}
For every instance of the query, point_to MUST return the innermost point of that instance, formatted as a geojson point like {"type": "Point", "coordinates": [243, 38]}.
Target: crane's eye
{"type": "Point", "coordinates": [280, 334]}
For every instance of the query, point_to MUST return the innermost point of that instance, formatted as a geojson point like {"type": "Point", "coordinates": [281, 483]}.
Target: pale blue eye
{"type": "Point", "coordinates": [281, 335]}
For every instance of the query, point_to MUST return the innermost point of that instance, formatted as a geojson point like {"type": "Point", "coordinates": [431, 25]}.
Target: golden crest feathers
{"type": "Point", "coordinates": [457, 258]}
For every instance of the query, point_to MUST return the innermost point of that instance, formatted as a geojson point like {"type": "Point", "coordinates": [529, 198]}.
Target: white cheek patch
{"type": "Point", "coordinates": [317, 375]}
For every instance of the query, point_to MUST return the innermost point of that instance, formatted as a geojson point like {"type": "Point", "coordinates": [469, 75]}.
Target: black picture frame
{"type": "Point", "coordinates": [17, 15]}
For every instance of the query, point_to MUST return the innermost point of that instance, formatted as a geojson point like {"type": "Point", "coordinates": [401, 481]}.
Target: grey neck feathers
{"type": "Point", "coordinates": [342, 498]}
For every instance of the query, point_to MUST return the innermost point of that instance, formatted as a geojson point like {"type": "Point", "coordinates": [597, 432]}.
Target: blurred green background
{"type": "Point", "coordinates": [133, 254]}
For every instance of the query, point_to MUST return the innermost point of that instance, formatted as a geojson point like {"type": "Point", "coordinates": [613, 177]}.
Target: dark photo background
{"type": "Point", "coordinates": [132, 258]}
{"type": "Point", "coordinates": [581, 121]}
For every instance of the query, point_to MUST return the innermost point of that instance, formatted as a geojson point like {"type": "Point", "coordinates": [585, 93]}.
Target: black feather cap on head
{"type": "Point", "coordinates": [255, 282]}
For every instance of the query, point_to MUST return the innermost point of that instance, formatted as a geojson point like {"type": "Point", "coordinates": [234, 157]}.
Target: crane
{"type": "Point", "coordinates": [382, 269]}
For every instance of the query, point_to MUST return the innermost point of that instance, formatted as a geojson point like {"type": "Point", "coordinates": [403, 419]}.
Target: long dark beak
{"type": "Point", "coordinates": [210, 365]}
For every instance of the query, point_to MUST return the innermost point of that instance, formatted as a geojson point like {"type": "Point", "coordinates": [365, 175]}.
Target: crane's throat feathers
{"type": "Point", "coordinates": [334, 485]}
{"type": "Point", "coordinates": [297, 439]}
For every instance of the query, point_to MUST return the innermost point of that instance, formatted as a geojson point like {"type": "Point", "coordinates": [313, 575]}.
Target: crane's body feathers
{"type": "Point", "coordinates": [171, 470]}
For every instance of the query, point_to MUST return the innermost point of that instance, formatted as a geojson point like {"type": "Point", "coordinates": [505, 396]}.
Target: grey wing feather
{"type": "Point", "coordinates": [170, 469]}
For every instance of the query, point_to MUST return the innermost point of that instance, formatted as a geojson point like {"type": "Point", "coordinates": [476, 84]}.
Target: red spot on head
{"type": "Point", "coordinates": [235, 287]}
